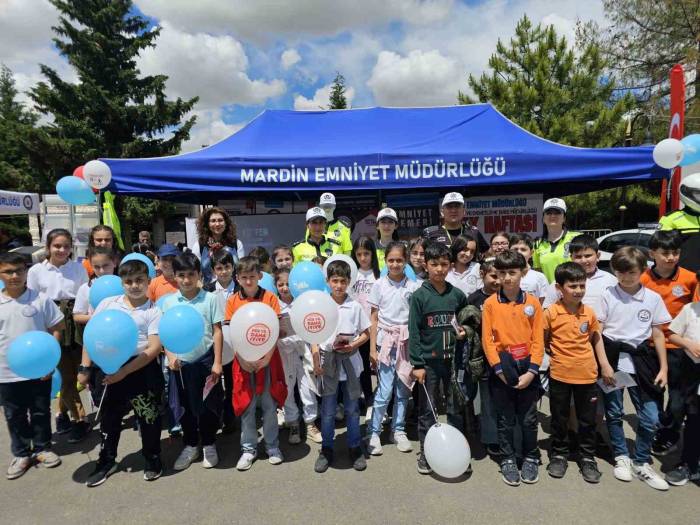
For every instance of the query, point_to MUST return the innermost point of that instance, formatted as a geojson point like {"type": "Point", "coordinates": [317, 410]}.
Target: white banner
{"type": "Point", "coordinates": [512, 213]}
{"type": "Point", "coordinates": [14, 203]}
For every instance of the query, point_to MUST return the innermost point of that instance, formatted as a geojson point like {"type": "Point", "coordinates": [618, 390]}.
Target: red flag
{"type": "Point", "coordinates": [669, 189]}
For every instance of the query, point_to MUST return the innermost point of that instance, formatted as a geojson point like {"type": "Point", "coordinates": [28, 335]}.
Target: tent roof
{"type": "Point", "coordinates": [472, 146]}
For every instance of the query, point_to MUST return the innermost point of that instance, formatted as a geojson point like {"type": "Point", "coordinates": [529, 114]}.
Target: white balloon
{"type": "Point", "coordinates": [668, 153]}
{"type": "Point", "coordinates": [346, 259]}
{"type": "Point", "coordinates": [227, 349]}
{"type": "Point", "coordinates": [97, 174]}
{"type": "Point", "coordinates": [254, 330]}
{"type": "Point", "coordinates": [314, 316]}
{"type": "Point", "coordinates": [447, 451]}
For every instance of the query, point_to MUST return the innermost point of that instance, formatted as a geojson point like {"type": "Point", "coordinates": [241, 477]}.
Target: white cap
{"type": "Point", "coordinates": [327, 200]}
{"type": "Point", "coordinates": [451, 197]}
{"type": "Point", "coordinates": [555, 203]}
{"type": "Point", "coordinates": [387, 213]}
{"type": "Point", "coordinates": [315, 213]}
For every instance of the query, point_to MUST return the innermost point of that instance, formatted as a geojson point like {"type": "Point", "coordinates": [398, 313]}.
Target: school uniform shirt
{"type": "Point", "coordinates": [239, 299]}
{"type": "Point", "coordinates": [687, 322]}
{"type": "Point", "coordinates": [515, 327]}
{"type": "Point", "coordinates": [534, 283]}
{"type": "Point", "coordinates": [352, 320]}
{"type": "Point", "coordinates": [160, 286]}
{"type": "Point", "coordinates": [392, 300]}
{"type": "Point", "coordinates": [630, 318]}
{"type": "Point", "coordinates": [147, 317]}
{"type": "Point", "coordinates": [207, 304]}
{"type": "Point", "coordinates": [30, 311]}
{"type": "Point", "coordinates": [469, 281]}
{"type": "Point", "coordinates": [677, 290]}
{"type": "Point", "coordinates": [82, 300]}
{"type": "Point", "coordinates": [58, 282]}
{"type": "Point", "coordinates": [363, 286]}
{"type": "Point", "coordinates": [572, 359]}
{"type": "Point", "coordinates": [596, 284]}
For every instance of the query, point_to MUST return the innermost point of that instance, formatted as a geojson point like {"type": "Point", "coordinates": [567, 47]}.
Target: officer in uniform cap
{"type": "Point", "coordinates": [316, 243]}
{"type": "Point", "coordinates": [338, 228]}
{"type": "Point", "coordinates": [453, 214]}
{"type": "Point", "coordinates": [686, 220]}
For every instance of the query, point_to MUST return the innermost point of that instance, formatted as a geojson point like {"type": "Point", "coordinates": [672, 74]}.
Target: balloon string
{"type": "Point", "coordinates": [99, 407]}
{"type": "Point", "coordinates": [432, 409]}
{"type": "Point", "coordinates": [182, 381]}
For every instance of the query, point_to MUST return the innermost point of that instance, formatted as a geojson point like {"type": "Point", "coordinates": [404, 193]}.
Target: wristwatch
{"type": "Point", "coordinates": [84, 369]}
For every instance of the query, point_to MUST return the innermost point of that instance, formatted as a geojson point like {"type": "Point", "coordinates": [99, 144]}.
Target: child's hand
{"type": "Point", "coordinates": [373, 357]}
{"type": "Point", "coordinates": [461, 334]}
{"type": "Point", "coordinates": [524, 380]}
{"type": "Point", "coordinates": [318, 371]}
{"type": "Point", "coordinates": [694, 349]}
{"type": "Point", "coordinates": [114, 378]}
{"type": "Point", "coordinates": [608, 375]}
{"type": "Point", "coordinates": [419, 374]}
{"type": "Point", "coordinates": [662, 378]}
{"type": "Point", "coordinates": [502, 378]}
{"type": "Point", "coordinates": [245, 365]}
{"type": "Point", "coordinates": [83, 378]}
{"type": "Point", "coordinates": [174, 363]}
{"type": "Point", "coordinates": [216, 371]}
{"type": "Point", "coordinates": [47, 377]}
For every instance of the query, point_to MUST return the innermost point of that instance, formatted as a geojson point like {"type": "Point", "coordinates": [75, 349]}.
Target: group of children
{"type": "Point", "coordinates": [467, 328]}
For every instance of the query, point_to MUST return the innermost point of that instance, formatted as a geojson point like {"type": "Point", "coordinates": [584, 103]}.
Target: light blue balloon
{"type": "Point", "coordinates": [406, 270]}
{"type": "Point", "coordinates": [33, 354]}
{"type": "Point", "coordinates": [691, 150]}
{"type": "Point", "coordinates": [111, 338]}
{"type": "Point", "coordinates": [160, 302]}
{"type": "Point", "coordinates": [141, 257]}
{"type": "Point", "coordinates": [56, 383]}
{"type": "Point", "coordinates": [267, 282]}
{"type": "Point", "coordinates": [103, 287]}
{"type": "Point", "coordinates": [181, 329]}
{"type": "Point", "coordinates": [306, 276]}
{"type": "Point", "coordinates": [74, 190]}
{"type": "Point", "coordinates": [2, 285]}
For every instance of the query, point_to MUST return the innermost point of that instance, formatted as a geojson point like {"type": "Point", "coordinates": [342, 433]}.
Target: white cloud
{"type": "Point", "coordinates": [212, 67]}
{"type": "Point", "coordinates": [289, 58]}
{"type": "Point", "coordinates": [418, 79]}
{"type": "Point", "coordinates": [209, 129]}
{"type": "Point", "coordinates": [321, 99]}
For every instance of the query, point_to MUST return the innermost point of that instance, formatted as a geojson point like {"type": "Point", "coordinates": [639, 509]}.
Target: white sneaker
{"type": "Point", "coordinates": [274, 456]}
{"type": "Point", "coordinates": [623, 468]}
{"type": "Point", "coordinates": [246, 461]}
{"type": "Point", "coordinates": [375, 445]}
{"type": "Point", "coordinates": [402, 442]}
{"type": "Point", "coordinates": [648, 475]}
{"type": "Point", "coordinates": [211, 458]}
{"type": "Point", "coordinates": [313, 433]}
{"type": "Point", "coordinates": [186, 457]}
{"type": "Point", "coordinates": [339, 412]}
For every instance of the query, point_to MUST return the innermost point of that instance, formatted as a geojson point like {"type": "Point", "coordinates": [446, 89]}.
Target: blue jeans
{"type": "Point", "coordinates": [352, 418]}
{"type": "Point", "coordinates": [647, 415]}
{"type": "Point", "coordinates": [249, 428]}
{"type": "Point", "coordinates": [389, 382]}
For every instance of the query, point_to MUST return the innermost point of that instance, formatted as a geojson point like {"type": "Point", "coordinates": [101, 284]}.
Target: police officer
{"type": "Point", "coordinates": [453, 212]}
{"type": "Point", "coordinates": [686, 220]}
{"type": "Point", "coordinates": [337, 228]}
{"type": "Point", "coordinates": [552, 248]}
{"type": "Point", "coordinates": [316, 243]}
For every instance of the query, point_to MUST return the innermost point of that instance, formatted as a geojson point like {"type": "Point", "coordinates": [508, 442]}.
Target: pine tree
{"type": "Point", "coordinates": [112, 111]}
{"type": "Point", "coordinates": [337, 98]}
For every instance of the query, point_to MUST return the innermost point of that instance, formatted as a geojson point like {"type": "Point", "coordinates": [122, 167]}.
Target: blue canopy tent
{"type": "Point", "coordinates": [473, 147]}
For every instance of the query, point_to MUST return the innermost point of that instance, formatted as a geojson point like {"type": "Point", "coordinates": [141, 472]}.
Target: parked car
{"type": "Point", "coordinates": [609, 243]}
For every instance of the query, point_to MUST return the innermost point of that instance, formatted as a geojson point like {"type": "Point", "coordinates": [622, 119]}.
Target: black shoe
{"type": "Point", "coordinates": [664, 442]}
{"type": "Point", "coordinates": [509, 473]}
{"type": "Point", "coordinates": [530, 471]}
{"type": "Point", "coordinates": [422, 464]}
{"type": "Point", "coordinates": [103, 470]}
{"type": "Point", "coordinates": [153, 470]}
{"type": "Point", "coordinates": [63, 424]}
{"type": "Point", "coordinates": [493, 450]}
{"type": "Point", "coordinates": [79, 432]}
{"type": "Point", "coordinates": [589, 470]}
{"type": "Point", "coordinates": [680, 475]}
{"type": "Point", "coordinates": [557, 466]}
{"type": "Point", "coordinates": [358, 458]}
{"type": "Point", "coordinates": [324, 460]}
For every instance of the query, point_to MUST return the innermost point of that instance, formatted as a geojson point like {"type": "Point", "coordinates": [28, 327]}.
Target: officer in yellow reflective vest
{"type": "Point", "coordinates": [316, 243]}
{"type": "Point", "coordinates": [552, 248]}
{"type": "Point", "coordinates": [339, 228]}
{"type": "Point", "coordinates": [686, 220]}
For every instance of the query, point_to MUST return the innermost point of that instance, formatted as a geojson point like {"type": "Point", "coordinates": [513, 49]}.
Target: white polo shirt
{"type": "Point", "coordinates": [30, 311]}
{"type": "Point", "coordinates": [58, 282]}
{"type": "Point", "coordinates": [469, 281]}
{"type": "Point", "coordinates": [534, 283]}
{"type": "Point", "coordinates": [82, 300]}
{"type": "Point", "coordinates": [352, 319]}
{"type": "Point", "coordinates": [630, 318]}
{"type": "Point", "coordinates": [596, 284]}
{"type": "Point", "coordinates": [687, 322]}
{"type": "Point", "coordinates": [147, 317]}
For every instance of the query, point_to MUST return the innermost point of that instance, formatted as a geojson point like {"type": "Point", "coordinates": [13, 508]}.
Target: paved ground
{"type": "Point", "coordinates": [389, 491]}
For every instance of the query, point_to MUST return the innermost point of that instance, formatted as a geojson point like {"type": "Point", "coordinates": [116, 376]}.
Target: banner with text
{"type": "Point", "coordinates": [513, 214]}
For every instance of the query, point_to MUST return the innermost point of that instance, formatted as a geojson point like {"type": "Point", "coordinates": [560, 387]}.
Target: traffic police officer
{"type": "Point", "coordinates": [552, 248]}
{"type": "Point", "coordinates": [316, 243]}
{"type": "Point", "coordinates": [339, 228]}
{"type": "Point", "coordinates": [453, 213]}
{"type": "Point", "coordinates": [686, 220]}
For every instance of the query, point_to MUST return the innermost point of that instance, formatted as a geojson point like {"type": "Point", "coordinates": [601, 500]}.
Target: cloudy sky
{"type": "Point", "coordinates": [243, 56]}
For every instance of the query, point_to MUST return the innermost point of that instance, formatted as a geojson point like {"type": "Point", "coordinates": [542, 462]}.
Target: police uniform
{"type": "Point", "coordinates": [339, 229]}
{"type": "Point", "coordinates": [306, 250]}
{"type": "Point", "coordinates": [546, 255]}
{"type": "Point", "coordinates": [683, 220]}
{"type": "Point", "coordinates": [441, 235]}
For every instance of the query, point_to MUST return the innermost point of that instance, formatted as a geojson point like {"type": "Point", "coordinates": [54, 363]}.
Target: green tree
{"type": "Point", "coordinates": [111, 111]}
{"type": "Point", "coordinates": [337, 98]}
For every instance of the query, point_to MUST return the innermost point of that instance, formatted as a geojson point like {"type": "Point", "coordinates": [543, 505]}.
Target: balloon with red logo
{"type": "Point", "coordinates": [314, 316]}
{"type": "Point", "coordinates": [254, 330]}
